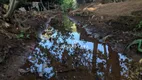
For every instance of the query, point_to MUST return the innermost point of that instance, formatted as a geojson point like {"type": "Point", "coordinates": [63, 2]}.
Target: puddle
{"type": "Point", "coordinates": [72, 55]}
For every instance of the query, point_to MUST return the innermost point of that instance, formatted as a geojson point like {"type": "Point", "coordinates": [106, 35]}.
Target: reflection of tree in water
{"type": "Point", "coordinates": [62, 24]}
{"type": "Point", "coordinates": [111, 65]}
{"type": "Point", "coordinates": [77, 57]}
{"type": "Point", "coordinates": [70, 55]}
{"type": "Point", "coordinates": [72, 59]}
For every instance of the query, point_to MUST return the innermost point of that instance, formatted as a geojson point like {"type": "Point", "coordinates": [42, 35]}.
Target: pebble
{"type": "Point", "coordinates": [22, 71]}
{"type": "Point", "coordinates": [102, 17]}
{"type": "Point", "coordinates": [2, 75]}
{"type": "Point", "coordinates": [140, 61]}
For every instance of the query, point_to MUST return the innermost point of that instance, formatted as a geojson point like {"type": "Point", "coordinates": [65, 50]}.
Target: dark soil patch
{"type": "Point", "coordinates": [122, 29]}
{"type": "Point", "coordinates": [13, 50]}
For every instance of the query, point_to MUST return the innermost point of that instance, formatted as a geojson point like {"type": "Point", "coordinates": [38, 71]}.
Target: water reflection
{"type": "Point", "coordinates": [69, 56]}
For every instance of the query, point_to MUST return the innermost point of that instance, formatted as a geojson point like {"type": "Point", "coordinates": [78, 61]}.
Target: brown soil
{"type": "Point", "coordinates": [116, 19]}
{"type": "Point", "coordinates": [111, 9]}
{"type": "Point", "coordinates": [13, 50]}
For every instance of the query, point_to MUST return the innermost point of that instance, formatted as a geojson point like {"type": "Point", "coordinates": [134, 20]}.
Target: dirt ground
{"type": "Point", "coordinates": [14, 50]}
{"type": "Point", "coordinates": [116, 19]}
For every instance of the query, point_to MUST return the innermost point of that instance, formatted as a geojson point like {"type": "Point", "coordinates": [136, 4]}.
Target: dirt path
{"type": "Point", "coordinates": [111, 9]}
{"type": "Point", "coordinates": [116, 19]}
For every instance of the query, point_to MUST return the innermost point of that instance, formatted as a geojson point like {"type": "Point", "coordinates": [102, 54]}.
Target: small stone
{"type": "Point", "coordinates": [93, 16]}
{"type": "Point", "coordinates": [95, 35]}
{"type": "Point", "coordinates": [6, 25]}
{"type": "Point", "coordinates": [5, 52]}
{"type": "Point", "coordinates": [23, 44]}
{"type": "Point", "coordinates": [140, 61]}
{"type": "Point", "coordinates": [23, 71]}
{"type": "Point", "coordinates": [40, 74]}
{"type": "Point", "coordinates": [9, 46]}
{"type": "Point", "coordinates": [140, 73]}
{"type": "Point", "coordinates": [22, 9]}
{"type": "Point", "coordinates": [102, 17]}
{"type": "Point", "coordinates": [2, 75]}
{"type": "Point", "coordinates": [109, 23]}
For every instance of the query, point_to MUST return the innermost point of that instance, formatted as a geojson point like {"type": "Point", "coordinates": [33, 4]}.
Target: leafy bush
{"type": "Point", "coordinates": [23, 35]}
{"type": "Point", "coordinates": [68, 4]}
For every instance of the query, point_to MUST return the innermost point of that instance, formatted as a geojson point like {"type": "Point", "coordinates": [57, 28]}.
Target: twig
{"type": "Point", "coordinates": [20, 26]}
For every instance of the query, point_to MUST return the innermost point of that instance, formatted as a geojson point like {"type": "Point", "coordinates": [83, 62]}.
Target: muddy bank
{"type": "Point", "coordinates": [18, 37]}
{"type": "Point", "coordinates": [85, 49]}
{"type": "Point", "coordinates": [67, 51]}
{"type": "Point", "coordinates": [122, 26]}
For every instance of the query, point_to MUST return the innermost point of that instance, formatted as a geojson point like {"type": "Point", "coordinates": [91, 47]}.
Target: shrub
{"type": "Point", "coordinates": [68, 4]}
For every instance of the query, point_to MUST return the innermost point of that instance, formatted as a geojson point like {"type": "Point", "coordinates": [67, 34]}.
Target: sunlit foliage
{"type": "Point", "coordinates": [68, 4]}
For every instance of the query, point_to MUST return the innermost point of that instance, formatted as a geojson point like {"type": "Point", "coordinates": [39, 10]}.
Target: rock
{"type": "Point", "coordinates": [2, 75]}
{"type": "Point", "coordinates": [22, 9]}
{"type": "Point", "coordinates": [9, 47]}
{"type": "Point", "coordinates": [23, 44]}
{"type": "Point", "coordinates": [140, 61]}
{"type": "Point", "coordinates": [92, 16]}
{"type": "Point", "coordinates": [96, 35]}
{"type": "Point", "coordinates": [22, 71]}
{"type": "Point", "coordinates": [102, 17]}
{"type": "Point", "coordinates": [41, 74]}
{"type": "Point", "coordinates": [7, 25]}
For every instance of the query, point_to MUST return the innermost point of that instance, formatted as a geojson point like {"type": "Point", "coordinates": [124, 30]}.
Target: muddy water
{"type": "Point", "coordinates": [71, 54]}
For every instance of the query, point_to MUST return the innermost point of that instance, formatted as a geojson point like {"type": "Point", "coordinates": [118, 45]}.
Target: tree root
{"type": "Point", "coordinates": [21, 23]}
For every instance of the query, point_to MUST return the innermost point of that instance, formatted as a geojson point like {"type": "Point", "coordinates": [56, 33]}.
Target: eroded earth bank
{"type": "Point", "coordinates": [88, 43]}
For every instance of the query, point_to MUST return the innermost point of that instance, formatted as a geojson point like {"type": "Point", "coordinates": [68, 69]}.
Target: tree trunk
{"type": "Point", "coordinates": [12, 5]}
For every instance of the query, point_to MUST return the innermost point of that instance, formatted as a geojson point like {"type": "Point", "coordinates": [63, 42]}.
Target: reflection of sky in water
{"type": "Point", "coordinates": [41, 63]}
{"type": "Point", "coordinates": [76, 39]}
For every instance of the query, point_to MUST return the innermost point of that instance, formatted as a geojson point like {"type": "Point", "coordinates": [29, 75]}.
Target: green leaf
{"type": "Point", "coordinates": [78, 14]}
{"type": "Point", "coordinates": [21, 35]}
{"type": "Point", "coordinates": [28, 36]}
{"type": "Point", "coordinates": [134, 42]}
{"type": "Point", "coordinates": [139, 42]}
{"type": "Point", "coordinates": [84, 26]}
{"type": "Point", "coordinates": [22, 31]}
{"type": "Point", "coordinates": [139, 46]}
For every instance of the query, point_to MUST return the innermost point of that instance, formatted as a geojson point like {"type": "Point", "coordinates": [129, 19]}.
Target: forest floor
{"type": "Point", "coordinates": [17, 41]}
{"type": "Point", "coordinates": [116, 19]}
{"type": "Point", "coordinates": [120, 20]}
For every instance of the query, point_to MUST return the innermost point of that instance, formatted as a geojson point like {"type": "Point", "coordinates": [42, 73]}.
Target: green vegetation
{"type": "Point", "coordinates": [137, 41]}
{"type": "Point", "coordinates": [139, 26]}
{"type": "Point", "coordinates": [68, 4]}
{"type": "Point", "coordinates": [23, 35]}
